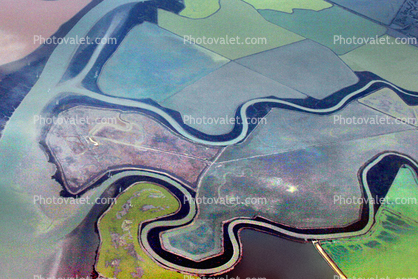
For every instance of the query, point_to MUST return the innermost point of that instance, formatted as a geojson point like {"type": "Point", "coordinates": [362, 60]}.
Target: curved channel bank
{"type": "Point", "coordinates": [256, 108]}
{"type": "Point", "coordinates": [150, 231]}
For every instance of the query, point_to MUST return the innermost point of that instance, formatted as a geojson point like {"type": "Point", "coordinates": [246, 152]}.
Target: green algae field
{"type": "Point", "coordinates": [120, 254]}
{"type": "Point", "coordinates": [386, 251]}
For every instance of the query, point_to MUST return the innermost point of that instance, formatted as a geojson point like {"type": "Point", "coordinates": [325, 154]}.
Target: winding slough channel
{"type": "Point", "coordinates": [149, 232]}
{"type": "Point", "coordinates": [51, 85]}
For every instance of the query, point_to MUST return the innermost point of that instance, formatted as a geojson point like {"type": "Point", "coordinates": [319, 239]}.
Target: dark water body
{"type": "Point", "coordinates": [272, 257]}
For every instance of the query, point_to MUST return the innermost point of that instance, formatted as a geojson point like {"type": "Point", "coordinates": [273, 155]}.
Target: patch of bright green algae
{"type": "Point", "coordinates": [235, 19]}
{"type": "Point", "coordinates": [120, 254]}
{"type": "Point", "coordinates": [287, 6]}
{"type": "Point", "coordinates": [394, 62]}
{"type": "Point", "coordinates": [403, 194]}
{"type": "Point", "coordinates": [200, 8]}
{"type": "Point", "coordinates": [390, 248]}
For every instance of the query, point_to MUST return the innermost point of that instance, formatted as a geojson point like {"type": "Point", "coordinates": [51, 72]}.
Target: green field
{"type": "Point", "coordinates": [200, 8]}
{"type": "Point", "coordinates": [395, 62]}
{"type": "Point", "coordinates": [390, 249]}
{"type": "Point", "coordinates": [287, 6]}
{"type": "Point", "coordinates": [242, 22]}
{"type": "Point", "coordinates": [204, 8]}
{"type": "Point", "coordinates": [120, 254]}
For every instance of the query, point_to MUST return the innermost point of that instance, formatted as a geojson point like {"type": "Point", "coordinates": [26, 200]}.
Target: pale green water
{"type": "Point", "coordinates": [391, 247]}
